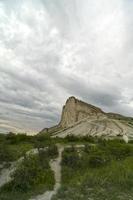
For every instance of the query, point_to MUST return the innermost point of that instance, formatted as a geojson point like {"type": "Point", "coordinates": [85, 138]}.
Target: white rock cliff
{"type": "Point", "coordinates": [79, 118]}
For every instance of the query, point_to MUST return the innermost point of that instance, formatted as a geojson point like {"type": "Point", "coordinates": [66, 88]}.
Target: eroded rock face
{"type": "Point", "coordinates": [76, 110]}
{"type": "Point", "coordinates": [79, 118]}
{"type": "Point", "coordinates": [73, 111]}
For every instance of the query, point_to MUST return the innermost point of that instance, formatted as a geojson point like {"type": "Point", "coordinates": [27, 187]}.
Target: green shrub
{"type": "Point", "coordinates": [71, 160]}
{"type": "Point", "coordinates": [87, 148]}
{"type": "Point", "coordinates": [98, 161]}
{"type": "Point", "coordinates": [5, 153]}
{"type": "Point", "coordinates": [13, 138]}
{"type": "Point", "coordinates": [43, 138]}
{"type": "Point", "coordinates": [89, 139]}
{"type": "Point", "coordinates": [120, 151]}
{"type": "Point", "coordinates": [71, 138]}
{"type": "Point", "coordinates": [30, 174]}
{"type": "Point", "coordinates": [52, 151]}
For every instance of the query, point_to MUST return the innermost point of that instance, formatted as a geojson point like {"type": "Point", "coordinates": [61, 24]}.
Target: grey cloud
{"type": "Point", "coordinates": [50, 50]}
{"type": "Point", "coordinates": [105, 96]}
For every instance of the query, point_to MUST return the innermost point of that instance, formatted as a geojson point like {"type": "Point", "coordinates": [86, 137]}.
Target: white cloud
{"type": "Point", "coordinates": [50, 50]}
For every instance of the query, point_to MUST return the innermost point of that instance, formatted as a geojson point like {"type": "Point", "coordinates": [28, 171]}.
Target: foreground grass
{"type": "Point", "coordinates": [103, 172]}
{"type": "Point", "coordinates": [19, 195]}
{"type": "Point", "coordinates": [33, 176]}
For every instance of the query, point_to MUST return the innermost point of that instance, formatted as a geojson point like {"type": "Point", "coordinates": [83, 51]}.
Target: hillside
{"type": "Point", "coordinates": [79, 118]}
{"type": "Point", "coordinates": [51, 168]}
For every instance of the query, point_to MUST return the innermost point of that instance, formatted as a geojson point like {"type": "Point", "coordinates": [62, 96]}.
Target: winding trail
{"type": "Point", "coordinates": [55, 165]}
{"type": "Point", "coordinates": [56, 168]}
{"type": "Point", "coordinates": [5, 175]}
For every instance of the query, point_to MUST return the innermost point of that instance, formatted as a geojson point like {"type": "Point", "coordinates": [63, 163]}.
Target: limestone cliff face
{"type": "Point", "coordinates": [79, 118]}
{"type": "Point", "coordinates": [76, 110]}
{"type": "Point", "coordinates": [73, 111]}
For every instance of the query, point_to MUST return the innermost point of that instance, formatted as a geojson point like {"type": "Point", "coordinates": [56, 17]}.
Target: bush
{"type": "Point", "coordinates": [52, 151]}
{"type": "Point", "coordinates": [30, 174]}
{"type": "Point", "coordinates": [119, 151]}
{"type": "Point", "coordinates": [39, 145]}
{"type": "Point", "coordinates": [49, 152]}
{"type": "Point", "coordinates": [5, 153]}
{"type": "Point", "coordinates": [87, 148]}
{"type": "Point", "coordinates": [72, 138]}
{"type": "Point", "coordinates": [98, 160]}
{"type": "Point", "coordinates": [43, 138]}
{"type": "Point", "coordinates": [11, 138]}
{"type": "Point", "coordinates": [89, 139]}
{"type": "Point", "coordinates": [71, 160]}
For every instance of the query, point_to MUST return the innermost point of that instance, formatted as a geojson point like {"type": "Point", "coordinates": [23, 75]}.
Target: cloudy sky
{"type": "Point", "coordinates": [53, 49]}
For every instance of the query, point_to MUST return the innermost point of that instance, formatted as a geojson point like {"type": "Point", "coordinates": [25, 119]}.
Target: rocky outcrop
{"type": "Point", "coordinates": [79, 118]}
{"type": "Point", "coordinates": [73, 111]}
{"type": "Point", "coordinates": [76, 110]}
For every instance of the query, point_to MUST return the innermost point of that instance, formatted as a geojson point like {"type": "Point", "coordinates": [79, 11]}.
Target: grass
{"type": "Point", "coordinates": [12, 147]}
{"type": "Point", "coordinates": [100, 170]}
{"type": "Point", "coordinates": [108, 177]}
{"type": "Point", "coordinates": [33, 176]}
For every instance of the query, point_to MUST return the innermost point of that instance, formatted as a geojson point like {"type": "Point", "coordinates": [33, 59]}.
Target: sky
{"type": "Point", "coordinates": [53, 49]}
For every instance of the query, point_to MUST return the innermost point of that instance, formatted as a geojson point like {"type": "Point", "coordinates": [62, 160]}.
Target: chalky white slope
{"type": "Point", "coordinates": [80, 119]}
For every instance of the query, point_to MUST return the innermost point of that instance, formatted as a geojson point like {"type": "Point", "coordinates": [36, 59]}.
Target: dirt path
{"type": "Point", "coordinates": [56, 168]}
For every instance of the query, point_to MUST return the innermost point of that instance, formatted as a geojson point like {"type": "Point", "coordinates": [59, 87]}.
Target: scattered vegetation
{"type": "Point", "coordinates": [13, 146]}
{"type": "Point", "coordinates": [32, 176]}
{"type": "Point", "coordinates": [103, 171]}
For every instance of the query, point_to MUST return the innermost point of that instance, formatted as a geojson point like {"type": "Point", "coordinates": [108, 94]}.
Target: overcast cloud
{"type": "Point", "coordinates": [53, 49]}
